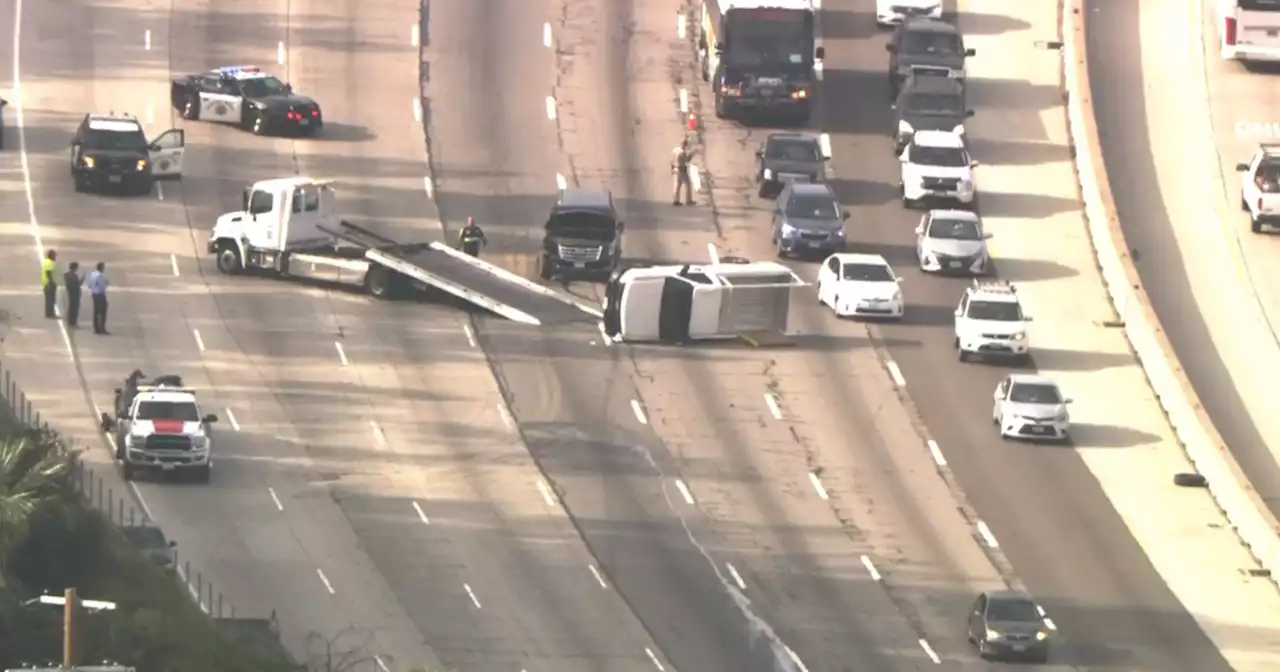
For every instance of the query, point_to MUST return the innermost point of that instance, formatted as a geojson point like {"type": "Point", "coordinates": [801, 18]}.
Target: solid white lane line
{"type": "Point", "coordinates": [551, 108]}
{"type": "Point", "coordinates": [737, 578]}
{"type": "Point", "coordinates": [684, 101]}
{"type": "Point", "coordinates": [471, 594]}
{"type": "Point", "coordinates": [381, 665]}
{"type": "Point", "coordinates": [430, 187]}
{"type": "Point", "coordinates": [824, 141]}
{"type": "Point", "coordinates": [160, 190]}
{"type": "Point", "coordinates": [280, 53]}
{"type": "Point", "coordinates": [599, 578]}
{"type": "Point", "coordinates": [796, 659]}
{"type": "Point", "coordinates": [928, 651]}
{"type": "Point", "coordinates": [173, 261]}
{"type": "Point", "coordinates": [653, 657]}
{"type": "Point", "coordinates": [150, 115]}
{"type": "Point", "coordinates": [342, 354]}
{"type": "Point", "coordinates": [682, 25]}
{"type": "Point", "coordinates": [471, 337]}
{"type": "Point", "coordinates": [231, 417]}
{"type": "Point", "coordinates": [546, 35]}
{"type": "Point", "coordinates": [146, 39]}
{"type": "Point", "coordinates": [684, 491]}
{"type": "Point", "coordinates": [378, 435]}
{"type": "Point", "coordinates": [561, 183]}
{"type": "Point", "coordinates": [199, 341]}
{"type": "Point", "coordinates": [896, 373]}
{"type": "Point", "coordinates": [639, 411]}
{"type": "Point", "coordinates": [138, 495]}
{"type": "Point", "coordinates": [817, 485]}
{"type": "Point", "coordinates": [713, 253]}
{"type": "Point", "coordinates": [414, 35]}
{"type": "Point", "coordinates": [328, 586]}
{"type": "Point", "coordinates": [417, 108]}
{"type": "Point", "coordinates": [604, 335]}
{"type": "Point", "coordinates": [422, 515]}
{"type": "Point", "coordinates": [936, 452]}
{"type": "Point", "coordinates": [987, 537]}
{"type": "Point", "coordinates": [871, 568]}
{"type": "Point", "coordinates": [275, 499]}
{"type": "Point", "coordinates": [772, 402]}
{"type": "Point", "coordinates": [506, 416]}
{"type": "Point", "coordinates": [547, 495]}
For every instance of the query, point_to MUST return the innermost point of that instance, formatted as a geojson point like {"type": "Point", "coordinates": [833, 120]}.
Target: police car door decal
{"type": "Point", "coordinates": [166, 153]}
{"type": "Point", "coordinates": [219, 107]}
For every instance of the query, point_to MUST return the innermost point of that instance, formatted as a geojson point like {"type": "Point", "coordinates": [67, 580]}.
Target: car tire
{"type": "Point", "coordinates": [203, 474]}
{"type": "Point", "coordinates": [259, 124]}
{"type": "Point", "coordinates": [228, 261]}
{"type": "Point", "coordinates": [1255, 225]}
{"type": "Point", "coordinates": [191, 108]}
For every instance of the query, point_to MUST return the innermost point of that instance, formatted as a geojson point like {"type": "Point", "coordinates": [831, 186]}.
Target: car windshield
{"type": "Point", "coordinates": [1035, 393]}
{"type": "Point", "coordinates": [937, 104]}
{"type": "Point", "coordinates": [261, 87]}
{"type": "Point", "coordinates": [955, 229]}
{"type": "Point", "coordinates": [584, 225]}
{"type": "Point", "coordinates": [813, 207]}
{"type": "Point", "coordinates": [999, 311]}
{"type": "Point", "coordinates": [866, 273]}
{"type": "Point", "coordinates": [792, 150]}
{"type": "Point", "coordinates": [1016, 611]}
{"type": "Point", "coordinates": [931, 42]}
{"type": "Point", "coordinates": [133, 141]}
{"type": "Point", "coordinates": [946, 157]}
{"type": "Point", "coordinates": [168, 410]}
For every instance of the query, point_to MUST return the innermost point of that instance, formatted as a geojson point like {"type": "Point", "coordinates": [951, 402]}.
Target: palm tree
{"type": "Point", "coordinates": [33, 472]}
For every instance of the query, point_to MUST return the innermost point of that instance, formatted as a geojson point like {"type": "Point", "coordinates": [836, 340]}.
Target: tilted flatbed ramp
{"type": "Point", "coordinates": [473, 280]}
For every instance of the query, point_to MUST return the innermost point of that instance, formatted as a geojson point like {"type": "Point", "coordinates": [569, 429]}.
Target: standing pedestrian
{"type": "Point", "coordinates": [98, 288]}
{"type": "Point", "coordinates": [72, 280]}
{"type": "Point", "coordinates": [49, 283]}
{"type": "Point", "coordinates": [681, 170]}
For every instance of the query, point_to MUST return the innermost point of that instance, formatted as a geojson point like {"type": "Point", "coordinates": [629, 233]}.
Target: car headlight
{"type": "Point", "coordinates": [839, 233]}
{"type": "Point", "coordinates": [1020, 336]}
{"type": "Point", "coordinates": [142, 164]}
{"type": "Point", "coordinates": [966, 184]}
{"type": "Point", "coordinates": [897, 296]}
{"type": "Point", "coordinates": [800, 94]}
{"type": "Point", "coordinates": [904, 128]}
{"type": "Point", "coordinates": [958, 130]}
{"type": "Point", "coordinates": [768, 174]}
{"type": "Point", "coordinates": [1061, 416]}
{"type": "Point", "coordinates": [992, 635]}
{"type": "Point", "coordinates": [1041, 636]}
{"type": "Point", "coordinates": [200, 443]}
{"type": "Point", "coordinates": [87, 161]}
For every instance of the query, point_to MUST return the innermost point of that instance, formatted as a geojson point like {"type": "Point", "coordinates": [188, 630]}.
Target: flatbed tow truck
{"type": "Point", "coordinates": [289, 227]}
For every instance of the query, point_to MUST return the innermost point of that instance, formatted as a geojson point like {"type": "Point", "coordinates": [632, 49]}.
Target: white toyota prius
{"type": "Point", "coordinates": [860, 285]}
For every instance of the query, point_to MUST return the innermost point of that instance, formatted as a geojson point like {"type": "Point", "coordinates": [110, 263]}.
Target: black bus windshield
{"type": "Point", "coordinates": [768, 36]}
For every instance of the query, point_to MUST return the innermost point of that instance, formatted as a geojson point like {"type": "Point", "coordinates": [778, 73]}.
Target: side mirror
{"type": "Point", "coordinates": [902, 158]}
{"type": "Point", "coordinates": [898, 280]}
{"type": "Point", "coordinates": [820, 53]}
{"type": "Point", "coordinates": [1026, 318]}
{"type": "Point", "coordinates": [959, 313]}
{"type": "Point", "coordinates": [844, 214]}
{"type": "Point", "coordinates": [889, 48]}
{"type": "Point", "coordinates": [970, 52]}
{"type": "Point", "coordinates": [212, 417]}
{"type": "Point", "coordinates": [244, 201]}
{"type": "Point", "coordinates": [288, 88]}
{"type": "Point", "coordinates": [173, 544]}
{"type": "Point", "coordinates": [920, 229]}
{"type": "Point", "coordinates": [968, 114]}
{"type": "Point", "coordinates": [988, 236]}
{"type": "Point", "coordinates": [893, 106]}
{"type": "Point", "coordinates": [622, 226]}
{"type": "Point", "coordinates": [759, 153]}
{"type": "Point", "coordinates": [997, 394]}
{"type": "Point", "coordinates": [973, 164]}
{"type": "Point", "coordinates": [1067, 401]}
{"type": "Point", "coordinates": [1242, 167]}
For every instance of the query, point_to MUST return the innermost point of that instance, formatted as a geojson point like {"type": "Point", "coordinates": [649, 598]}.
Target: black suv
{"type": "Point", "coordinates": [111, 152]}
{"type": "Point", "coordinates": [928, 102]}
{"type": "Point", "coordinates": [582, 236]}
{"type": "Point", "coordinates": [924, 43]}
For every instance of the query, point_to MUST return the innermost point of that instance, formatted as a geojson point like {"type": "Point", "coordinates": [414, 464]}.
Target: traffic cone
{"type": "Point", "coordinates": [693, 120]}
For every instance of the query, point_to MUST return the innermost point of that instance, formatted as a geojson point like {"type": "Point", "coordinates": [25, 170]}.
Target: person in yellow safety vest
{"type": "Point", "coordinates": [49, 283]}
{"type": "Point", "coordinates": [471, 238]}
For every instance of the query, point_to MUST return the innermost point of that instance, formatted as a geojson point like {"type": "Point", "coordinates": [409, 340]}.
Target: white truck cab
{"type": "Point", "coordinates": [1260, 187]}
{"type": "Point", "coordinates": [990, 323]}
{"type": "Point", "coordinates": [277, 216]}
{"type": "Point", "coordinates": [164, 430]}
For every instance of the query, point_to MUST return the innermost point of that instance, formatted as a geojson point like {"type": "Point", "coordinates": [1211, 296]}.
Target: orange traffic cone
{"type": "Point", "coordinates": [693, 120]}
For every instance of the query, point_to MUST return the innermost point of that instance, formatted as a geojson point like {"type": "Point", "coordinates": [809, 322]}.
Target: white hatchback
{"type": "Point", "coordinates": [860, 285]}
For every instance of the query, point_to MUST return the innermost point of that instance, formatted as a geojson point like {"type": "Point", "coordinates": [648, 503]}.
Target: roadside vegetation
{"type": "Point", "coordinates": [49, 541]}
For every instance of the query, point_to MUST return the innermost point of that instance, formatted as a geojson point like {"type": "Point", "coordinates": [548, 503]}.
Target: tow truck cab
{"type": "Point", "coordinates": [582, 236]}
{"type": "Point", "coordinates": [276, 216]}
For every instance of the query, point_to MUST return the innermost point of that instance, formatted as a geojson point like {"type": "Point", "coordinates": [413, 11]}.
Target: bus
{"type": "Point", "coordinates": [1249, 30]}
{"type": "Point", "coordinates": [759, 56]}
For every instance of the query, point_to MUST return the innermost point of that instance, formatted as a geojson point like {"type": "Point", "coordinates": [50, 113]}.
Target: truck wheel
{"type": "Point", "coordinates": [378, 283]}
{"type": "Point", "coordinates": [229, 261]}
{"type": "Point", "coordinates": [191, 108]}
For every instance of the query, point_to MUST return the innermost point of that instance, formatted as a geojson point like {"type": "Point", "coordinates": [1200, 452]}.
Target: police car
{"type": "Point", "coordinates": [111, 152]}
{"type": "Point", "coordinates": [245, 96]}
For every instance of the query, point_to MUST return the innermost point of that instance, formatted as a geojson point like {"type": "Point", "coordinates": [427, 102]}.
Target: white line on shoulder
{"type": "Point", "coordinates": [928, 651]}
{"type": "Point", "coordinates": [684, 491]}
{"type": "Point", "coordinates": [599, 577]}
{"type": "Point", "coordinates": [737, 578]}
{"type": "Point", "coordinates": [639, 411]}
{"type": "Point", "coordinates": [817, 485]}
{"type": "Point", "coordinates": [551, 108]}
{"type": "Point", "coordinates": [896, 373]}
{"type": "Point", "coordinates": [546, 35]}
{"type": "Point", "coordinates": [772, 402]}
{"type": "Point", "coordinates": [987, 536]}
{"type": "Point", "coordinates": [936, 452]}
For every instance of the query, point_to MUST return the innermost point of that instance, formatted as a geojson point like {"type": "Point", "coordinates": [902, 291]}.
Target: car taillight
{"type": "Point", "coordinates": [315, 113]}
{"type": "Point", "coordinates": [1229, 29]}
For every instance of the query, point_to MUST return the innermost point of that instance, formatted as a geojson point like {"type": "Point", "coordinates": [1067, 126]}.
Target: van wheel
{"type": "Point", "coordinates": [229, 261]}
{"type": "Point", "coordinates": [378, 282]}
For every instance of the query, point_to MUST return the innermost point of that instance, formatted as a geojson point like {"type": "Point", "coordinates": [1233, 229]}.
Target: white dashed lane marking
{"type": "Point", "coordinates": [471, 337]}
{"type": "Point", "coordinates": [824, 141]}
{"type": "Point", "coordinates": [561, 183]}
{"type": "Point", "coordinates": [712, 253]}
{"type": "Point", "coordinates": [684, 491]}
{"type": "Point", "coordinates": [653, 657]}
{"type": "Point", "coordinates": [150, 116]}
{"type": "Point", "coordinates": [325, 580]}
{"type": "Point", "coordinates": [275, 499]}
{"type": "Point", "coordinates": [422, 515]}
{"type": "Point", "coordinates": [342, 354]}
{"type": "Point", "coordinates": [737, 578]}
{"type": "Point", "coordinates": [378, 435]}
{"type": "Point", "coordinates": [546, 35]}
{"type": "Point", "coordinates": [507, 421]}
{"type": "Point", "coordinates": [928, 650]}
{"type": "Point", "coordinates": [682, 26]}
{"type": "Point", "coordinates": [280, 53]}
{"type": "Point", "coordinates": [547, 495]}
{"type": "Point", "coordinates": [895, 373]}
{"type": "Point", "coordinates": [817, 485]}
{"type": "Point", "coordinates": [772, 402]}
{"type": "Point", "coordinates": [173, 261]}
{"type": "Point", "coordinates": [987, 537]}
{"type": "Point", "coordinates": [639, 411]}
{"type": "Point", "coordinates": [472, 594]}
{"type": "Point", "coordinates": [796, 659]}
{"type": "Point", "coordinates": [871, 568]}
{"type": "Point", "coordinates": [415, 35]}
{"type": "Point", "coordinates": [231, 417]}
{"type": "Point", "coordinates": [551, 108]}
{"type": "Point", "coordinates": [684, 100]}
{"type": "Point", "coordinates": [146, 39]}
{"type": "Point", "coordinates": [936, 452]}
{"type": "Point", "coordinates": [417, 109]}
{"type": "Point", "coordinates": [199, 340]}
{"type": "Point", "coordinates": [599, 577]}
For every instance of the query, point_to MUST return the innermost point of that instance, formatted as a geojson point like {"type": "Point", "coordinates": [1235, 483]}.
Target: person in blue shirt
{"type": "Point", "coordinates": [97, 283]}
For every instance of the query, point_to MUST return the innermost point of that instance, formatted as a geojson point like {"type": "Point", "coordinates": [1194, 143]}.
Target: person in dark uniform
{"type": "Point", "coordinates": [72, 280]}
{"type": "Point", "coordinates": [472, 238]}
{"type": "Point", "coordinates": [49, 283]}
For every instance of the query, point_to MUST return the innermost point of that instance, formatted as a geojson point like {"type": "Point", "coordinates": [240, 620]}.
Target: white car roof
{"type": "Point", "coordinates": [117, 124]}
{"type": "Point", "coordinates": [954, 214]}
{"type": "Point", "coordinates": [1031, 379]}
{"type": "Point", "coordinates": [860, 258]}
{"type": "Point", "coordinates": [938, 139]}
{"type": "Point", "coordinates": [996, 291]}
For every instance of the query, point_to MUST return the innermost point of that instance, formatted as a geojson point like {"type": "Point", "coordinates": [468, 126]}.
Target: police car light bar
{"type": "Point", "coordinates": [233, 70]}
{"type": "Point", "coordinates": [165, 388]}
{"type": "Point", "coordinates": [994, 286]}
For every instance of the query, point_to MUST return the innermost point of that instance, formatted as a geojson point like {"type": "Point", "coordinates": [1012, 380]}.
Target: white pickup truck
{"type": "Point", "coordinates": [1260, 187]}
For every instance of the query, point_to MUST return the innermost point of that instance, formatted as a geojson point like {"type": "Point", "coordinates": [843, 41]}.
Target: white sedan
{"type": "Point", "coordinates": [1031, 407]}
{"type": "Point", "coordinates": [860, 285]}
